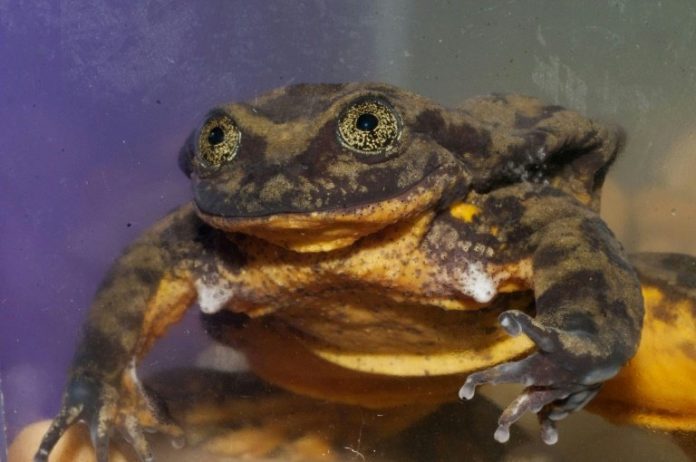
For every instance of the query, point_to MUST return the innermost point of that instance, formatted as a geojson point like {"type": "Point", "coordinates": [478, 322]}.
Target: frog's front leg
{"type": "Point", "coordinates": [589, 312]}
{"type": "Point", "coordinates": [148, 288]}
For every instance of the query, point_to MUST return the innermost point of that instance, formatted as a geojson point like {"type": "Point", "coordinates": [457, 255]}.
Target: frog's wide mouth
{"type": "Point", "coordinates": [327, 230]}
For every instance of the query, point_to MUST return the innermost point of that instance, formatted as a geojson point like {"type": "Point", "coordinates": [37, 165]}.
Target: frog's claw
{"type": "Point", "coordinates": [555, 386]}
{"type": "Point", "coordinates": [104, 410]}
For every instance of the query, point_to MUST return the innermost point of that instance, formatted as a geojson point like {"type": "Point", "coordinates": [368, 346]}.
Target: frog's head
{"type": "Point", "coordinates": [316, 167]}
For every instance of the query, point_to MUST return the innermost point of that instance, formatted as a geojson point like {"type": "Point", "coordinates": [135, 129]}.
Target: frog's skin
{"type": "Point", "coordinates": [656, 388]}
{"type": "Point", "coordinates": [380, 235]}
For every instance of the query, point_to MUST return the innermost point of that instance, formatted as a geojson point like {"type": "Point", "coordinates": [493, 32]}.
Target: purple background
{"type": "Point", "coordinates": [97, 97]}
{"type": "Point", "coordinates": [96, 100]}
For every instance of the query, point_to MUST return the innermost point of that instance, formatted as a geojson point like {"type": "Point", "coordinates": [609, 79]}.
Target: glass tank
{"type": "Point", "coordinates": [98, 98]}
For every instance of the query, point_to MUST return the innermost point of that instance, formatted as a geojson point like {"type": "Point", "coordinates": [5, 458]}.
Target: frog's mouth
{"type": "Point", "coordinates": [326, 230]}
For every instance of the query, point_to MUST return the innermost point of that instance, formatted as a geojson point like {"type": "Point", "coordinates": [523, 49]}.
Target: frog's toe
{"type": "Point", "coordinates": [550, 392]}
{"type": "Point", "coordinates": [528, 371]}
{"type": "Point", "coordinates": [82, 395]}
{"type": "Point", "coordinates": [62, 422]}
{"type": "Point", "coordinates": [105, 410]}
{"type": "Point", "coordinates": [517, 322]}
{"type": "Point", "coordinates": [575, 401]}
{"type": "Point", "coordinates": [147, 412]}
{"type": "Point", "coordinates": [560, 409]}
{"type": "Point", "coordinates": [133, 433]}
{"type": "Point", "coordinates": [548, 431]}
{"type": "Point", "coordinates": [557, 380]}
{"type": "Point", "coordinates": [550, 405]}
{"type": "Point", "coordinates": [529, 401]}
{"type": "Point", "coordinates": [99, 434]}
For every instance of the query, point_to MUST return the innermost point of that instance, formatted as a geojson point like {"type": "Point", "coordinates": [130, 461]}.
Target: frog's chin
{"type": "Point", "coordinates": [330, 230]}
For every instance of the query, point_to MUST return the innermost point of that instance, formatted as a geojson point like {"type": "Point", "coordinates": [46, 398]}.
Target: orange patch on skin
{"type": "Point", "coordinates": [166, 307]}
{"type": "Point", "coordinates": [513, 277]}
{"type": "Point", "coordinates": [512, 285]}
{"type": "Point", "coordinates": [464, 211]}
{"type": "Point", "coordinates": [656, 387]}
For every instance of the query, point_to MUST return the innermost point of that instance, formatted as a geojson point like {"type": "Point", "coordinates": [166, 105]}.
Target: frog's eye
{"type": "Point", "coordinates": [218, 140]}
{"type": "Point", "coordinates": [370, 126]}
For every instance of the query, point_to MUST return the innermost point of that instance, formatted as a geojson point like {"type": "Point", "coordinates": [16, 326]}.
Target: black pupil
{"type": "Point", "coordinates": [216, 136]}
{"type": "Point", "coordinates": [367, 122]}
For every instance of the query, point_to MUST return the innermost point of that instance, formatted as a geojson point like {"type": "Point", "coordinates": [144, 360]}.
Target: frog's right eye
{"type": "Point", "coordinates": [218, 140]}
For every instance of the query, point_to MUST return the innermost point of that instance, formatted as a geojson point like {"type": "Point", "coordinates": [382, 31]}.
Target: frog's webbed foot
{"type": "Point", "coordinates": [105, 409]}
{"type": "Point", "coordinates": [558, 381]}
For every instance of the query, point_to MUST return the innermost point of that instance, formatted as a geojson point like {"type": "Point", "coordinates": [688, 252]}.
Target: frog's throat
{"type": "Point", "coordinates": [329, 230]}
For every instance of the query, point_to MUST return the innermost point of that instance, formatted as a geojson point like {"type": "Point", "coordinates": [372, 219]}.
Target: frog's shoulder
{"type": "Point", "coordinates": [534, 141]}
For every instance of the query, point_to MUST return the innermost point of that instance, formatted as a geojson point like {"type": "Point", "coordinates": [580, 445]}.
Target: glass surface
{"type": "Point", "coordinates": [96, 99]}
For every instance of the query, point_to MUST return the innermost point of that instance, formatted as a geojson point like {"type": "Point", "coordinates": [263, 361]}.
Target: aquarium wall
{"type": "Point", "coordinates": [626, 62]}
{"type": "Point", "coordinates": [96, 99]}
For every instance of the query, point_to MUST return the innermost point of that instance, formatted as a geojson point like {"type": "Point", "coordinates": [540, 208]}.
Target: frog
{"type": "Point", "coordinates": [375, 248]}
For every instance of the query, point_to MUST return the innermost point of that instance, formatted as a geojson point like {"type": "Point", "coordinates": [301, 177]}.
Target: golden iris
{"type": "Point", "coordinates": [369, 126]}
{"type": "Point", "coordinates": [218, 140]}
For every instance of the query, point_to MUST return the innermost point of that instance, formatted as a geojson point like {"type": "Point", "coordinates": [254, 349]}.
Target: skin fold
{"type": "Point", "coordinates": [383, 240]}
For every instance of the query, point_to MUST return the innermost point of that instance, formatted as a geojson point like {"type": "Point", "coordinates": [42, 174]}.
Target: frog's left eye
{"type": "Point", "coordinates": [218, 140]}
{"type": "Point", "coordinates": [370, 126]}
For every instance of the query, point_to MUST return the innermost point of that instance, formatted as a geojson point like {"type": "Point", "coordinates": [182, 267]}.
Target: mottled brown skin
{"type": "Point", "coordinates": [383, 260]}
{"type": "Point", "coordinates": [656, 388]}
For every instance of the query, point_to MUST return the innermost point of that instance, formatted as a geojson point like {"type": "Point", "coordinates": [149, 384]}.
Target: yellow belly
{"type": "Point", "coordinates": [375, 357]}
